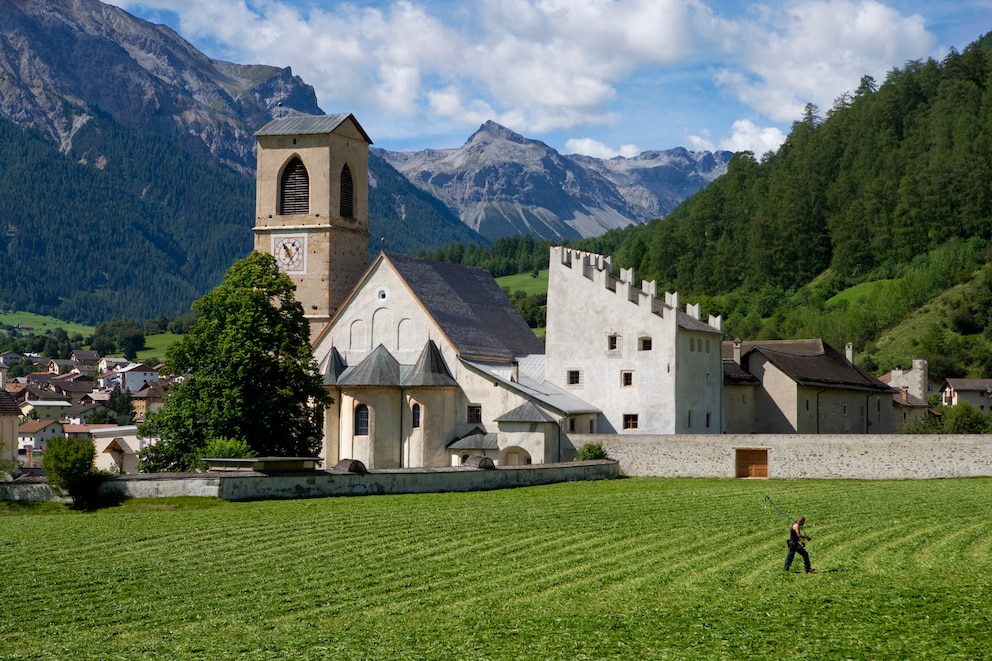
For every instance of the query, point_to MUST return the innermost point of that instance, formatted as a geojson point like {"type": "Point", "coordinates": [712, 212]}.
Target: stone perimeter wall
{"type": "Point", "coordinates": [801, 456]}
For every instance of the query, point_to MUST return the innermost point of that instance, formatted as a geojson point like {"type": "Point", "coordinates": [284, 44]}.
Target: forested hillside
{"type": "Point", "coordinates": [89, 243]}
{"type": "Point", "coordinates": [892, 184]}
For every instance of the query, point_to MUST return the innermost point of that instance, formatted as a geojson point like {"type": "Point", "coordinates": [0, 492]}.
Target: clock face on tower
{"type": "Point", "coordinates": [289, 252]}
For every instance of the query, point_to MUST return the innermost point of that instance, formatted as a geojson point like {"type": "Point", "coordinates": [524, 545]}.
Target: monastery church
{"type": "Point", "coordinates": [430, 363]}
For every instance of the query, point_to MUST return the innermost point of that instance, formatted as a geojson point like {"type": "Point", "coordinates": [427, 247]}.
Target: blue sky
{"type": "Point", "coordinates": [599, 77]}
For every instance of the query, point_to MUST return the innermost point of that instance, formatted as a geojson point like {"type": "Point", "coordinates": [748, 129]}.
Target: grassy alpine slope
{"type": "Point", "coordinates": [635, 568]}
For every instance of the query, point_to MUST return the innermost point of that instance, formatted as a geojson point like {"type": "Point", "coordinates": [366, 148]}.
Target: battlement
{"type": "Point", "coordinates": [598, 269]}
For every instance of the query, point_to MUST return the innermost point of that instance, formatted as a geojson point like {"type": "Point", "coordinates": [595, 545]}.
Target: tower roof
{"type": "Point", "coordinates": [296, 123]}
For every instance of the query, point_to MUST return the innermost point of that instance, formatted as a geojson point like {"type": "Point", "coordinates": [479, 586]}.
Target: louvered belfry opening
{"type": "Point", "coordinates": [347, 194]}
{"type": "Point", "coordinates": [294, 188]}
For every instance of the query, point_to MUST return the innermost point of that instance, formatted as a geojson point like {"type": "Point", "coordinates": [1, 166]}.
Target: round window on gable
{"type": "Point", "coordinates": [382, 294]}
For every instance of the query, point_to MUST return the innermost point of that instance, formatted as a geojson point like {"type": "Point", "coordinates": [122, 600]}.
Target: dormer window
{"type": "Point", "coordinates": [294, 188]}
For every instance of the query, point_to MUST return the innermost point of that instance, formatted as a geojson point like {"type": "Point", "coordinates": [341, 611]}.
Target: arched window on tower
{"type": "Point", "coordinates": [416, 415]}
{"type": "Point", "coordinates": [294, 188]}
{"type": "Point", "coordinates": [347, 194]}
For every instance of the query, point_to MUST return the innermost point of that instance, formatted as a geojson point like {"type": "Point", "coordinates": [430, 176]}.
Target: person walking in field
{"type": "Point", "coordinates": [796, 545]}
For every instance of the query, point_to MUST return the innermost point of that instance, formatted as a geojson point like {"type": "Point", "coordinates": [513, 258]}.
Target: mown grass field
{"type": "Point", "coordinates": [629, 569]}
{"type": "Point", "coordinates": [525, 283]}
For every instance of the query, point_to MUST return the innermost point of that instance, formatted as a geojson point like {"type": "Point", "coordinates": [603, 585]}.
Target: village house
{"type": "Point", "coordinates": [42, 409]}
{"type": "Point", "coordinates": [977, 392]}
{"type": "Point", "coordinates": [32, 435]}
{"type": "Point", "coordinates": [117, 448]}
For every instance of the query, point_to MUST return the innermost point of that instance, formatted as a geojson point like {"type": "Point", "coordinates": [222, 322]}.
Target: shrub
{"type": "Point", "coordinates": [69, 464]}
{"type": "Point", "coordinates": [591, 451]}
{"type": "Point", "coordinates": [225, 448]}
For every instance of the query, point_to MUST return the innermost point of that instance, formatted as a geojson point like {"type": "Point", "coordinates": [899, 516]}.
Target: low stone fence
{"type": "Point", "coordinates": [251, 485]}
{"type": "Point", "coordinates": [800, 456]}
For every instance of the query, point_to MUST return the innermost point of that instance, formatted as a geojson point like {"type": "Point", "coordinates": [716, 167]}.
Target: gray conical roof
{"type": "Point", "coordinates": [379, 368]}
{"type": "Point", "coordinates": [430, 369]}
{"type": "Point", "coordinates": [334, 368]}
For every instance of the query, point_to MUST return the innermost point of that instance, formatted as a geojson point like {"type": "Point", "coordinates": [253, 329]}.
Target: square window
{"type": "Point", "coordinates": [574, 378]}
{"type": "Point", "coordinates": [474, 415]}
{"type": "Point", "coordinates": [626, 379]}
{"type": "Point", "coordinates": [645, 344]}
{"type": "Point", "coordinates": [630, 421]}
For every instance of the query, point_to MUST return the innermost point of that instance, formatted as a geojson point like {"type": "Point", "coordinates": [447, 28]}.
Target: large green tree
{"type": "Point", "coordinates": [249, 374]}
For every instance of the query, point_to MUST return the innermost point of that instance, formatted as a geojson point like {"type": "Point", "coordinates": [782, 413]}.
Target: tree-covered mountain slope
{"type": "Point", "coordinates": [878, 187]}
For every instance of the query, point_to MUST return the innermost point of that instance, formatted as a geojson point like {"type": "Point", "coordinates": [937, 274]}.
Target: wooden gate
{"type": "Point", "coordinates": [752, 462]}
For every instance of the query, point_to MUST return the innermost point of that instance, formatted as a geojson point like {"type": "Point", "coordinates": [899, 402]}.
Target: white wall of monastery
{"type": "Point", "coordinates": [598, 326]}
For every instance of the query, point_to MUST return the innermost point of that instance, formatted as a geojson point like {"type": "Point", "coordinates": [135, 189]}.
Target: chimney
{"type": "Point", "coordinates": [737, 350]}
{"type": "Point", "coordinates": [515, 372]}
{"type": "Point", "coordinates": [905, 394]}
{"type": "Point", "coordinates": [849, 350]}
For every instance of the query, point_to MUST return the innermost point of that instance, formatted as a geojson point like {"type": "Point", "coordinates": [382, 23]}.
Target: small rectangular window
{"type": "Point", "coordinates": [571, 424]}
{"type": "Point", "coordinates": [626, 379]}
{"type": "Point", "coordinates": [612, 342]}
{"type": "Point", "coordinates": [630, 421]}
{"type": "Point", "coordinates": [474, 415]}
{"type": "Point", "coordinates": [574, 378]}
{"type": "Point", "coordinates": [708, 416]}
{"type": "Point", "coordinates": [645, 344]}
{"type": "Point", "coordinates": [688, 420]}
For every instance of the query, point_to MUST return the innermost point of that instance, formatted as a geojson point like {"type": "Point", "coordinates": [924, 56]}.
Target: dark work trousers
{"type": "Point", "coordinates": [794, 548]}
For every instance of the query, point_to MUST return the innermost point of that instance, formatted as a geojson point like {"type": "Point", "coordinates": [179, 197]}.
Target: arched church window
{"type": "Point", "coordinates": [416, 415]}
{"type": "Point", "coordinates": [347, 194]}
{"type": "Point", "coordinates": [361, 420]}
{"type": "Point", "coordinates": [294, 188]}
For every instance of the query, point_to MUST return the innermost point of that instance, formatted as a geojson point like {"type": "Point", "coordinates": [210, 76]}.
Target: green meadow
{"type": "Point", "coordinates": [636, 568]}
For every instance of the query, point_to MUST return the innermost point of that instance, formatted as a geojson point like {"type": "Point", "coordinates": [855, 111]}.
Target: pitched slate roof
{"type": "Point", "coordinates": [976, 385]}
{"type": "Point", "coordinates": [735, 375]}
{"type": "Point", "coordinates": [810, 363]}
{"type": "Point", "coordinates": [430, 369]}
{"type": "Point", "coordinates": [297, 123]}
{"type": "Point", "coordinates": [475, 440]}
{"type": "Point", "coordinates": [469, 307]}
{"type": "Point", "coordinates": [531, 384]}
{"type": "Point", "coordinates": [526, 412]}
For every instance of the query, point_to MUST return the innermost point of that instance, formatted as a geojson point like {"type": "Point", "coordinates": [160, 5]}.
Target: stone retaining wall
{"type": "Point", "coordinates": [798, 456]}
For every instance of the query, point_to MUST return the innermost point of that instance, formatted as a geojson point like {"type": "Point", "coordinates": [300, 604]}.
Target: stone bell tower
{"type": "Point", "coordinates": [312, 206]}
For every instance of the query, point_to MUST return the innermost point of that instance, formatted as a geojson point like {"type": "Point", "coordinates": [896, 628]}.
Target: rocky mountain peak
{"type": "Point", "coordinates": [61, 61]}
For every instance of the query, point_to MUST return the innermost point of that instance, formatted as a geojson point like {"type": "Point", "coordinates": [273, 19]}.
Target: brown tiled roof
{"type": "Point", "coordinates": [33, 426]}
{"type": "Point", "coordinates": [469, 307]}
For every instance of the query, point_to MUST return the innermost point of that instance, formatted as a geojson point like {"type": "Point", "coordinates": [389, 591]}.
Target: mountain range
{"type": "Point", "coordinates": [128, 160]}
{"type": "Point", "coordinates": [501, 183]}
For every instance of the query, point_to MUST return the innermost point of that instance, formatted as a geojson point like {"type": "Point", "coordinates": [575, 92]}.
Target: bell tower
{"type": "Point", "coordinates": [312, 206]}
